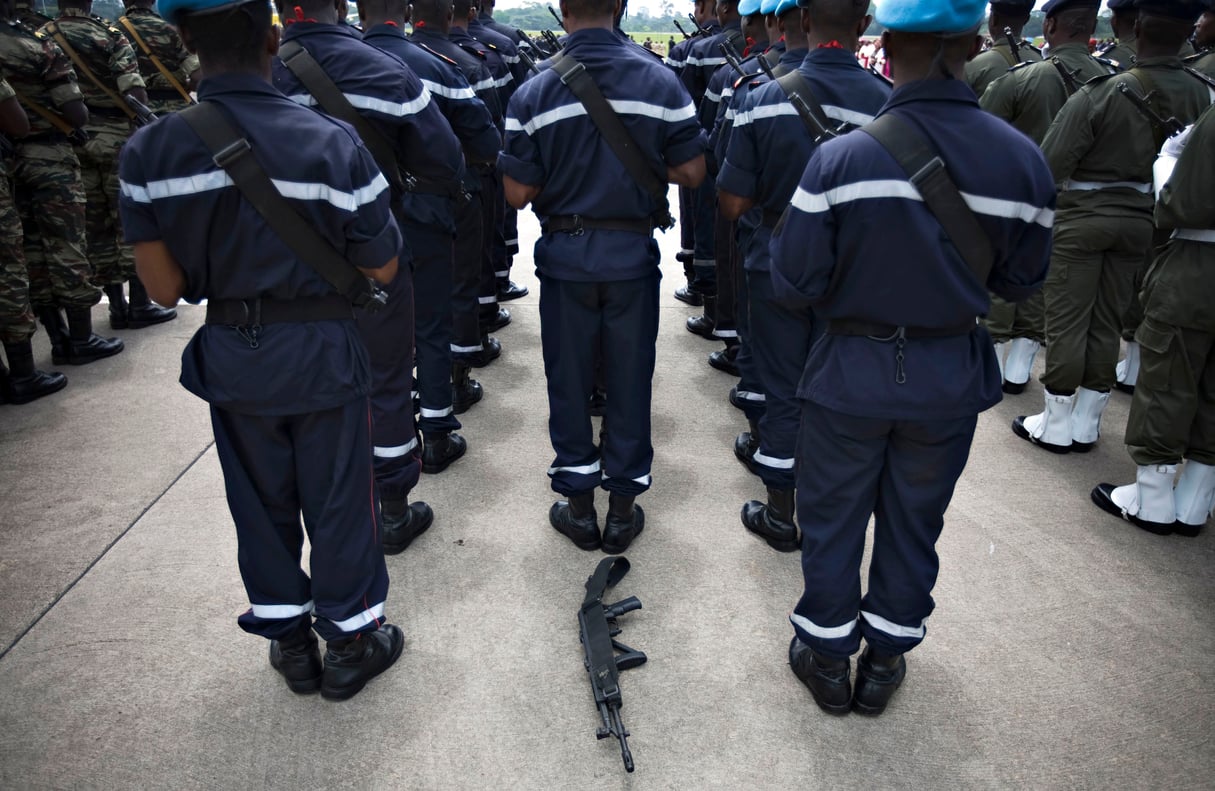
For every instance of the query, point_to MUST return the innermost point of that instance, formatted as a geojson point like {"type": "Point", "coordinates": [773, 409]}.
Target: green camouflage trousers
{"type": "Point", "coordinates": [113, 261]}
{"type": "Point", "coordinates": [1173, 409]}
{"type": "Point", "coordinates": [16, 316]}
{"type": "Point", "coordinates": [1088, 289]}
{"type": "Point", "coordinates": [46, 182]}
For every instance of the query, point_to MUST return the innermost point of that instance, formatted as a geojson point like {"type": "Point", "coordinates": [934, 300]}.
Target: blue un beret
{"type": "Point", "coordinates": [1176, 9]}
{"type": "Point", "coordinates": [931, 16]}
{"type": "Point", "coordinates": [172, 9]}
{"type": "Point", "coordinates": [784, 5]}
{"type": "Point", "coordinates": [767, 7]}
{"type": "Point", "coordinates": [1055, 6]}
{"type": "Point", "coordinates": [748, 7]}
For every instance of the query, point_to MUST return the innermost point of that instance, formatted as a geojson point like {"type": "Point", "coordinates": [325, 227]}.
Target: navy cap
{"type": "Point", "coordinates": [1120, 5]}
{"type": "Point", "coordinates": [1013, 6]}
{"type": "Point", "coordinates": [1055, 6]}
{"type": "Point", "coordinates": [931, 16]}
{"type": "Point", "coordinates": [1175, 9]}
{"type": "Point", "coordinates": [172, 9]}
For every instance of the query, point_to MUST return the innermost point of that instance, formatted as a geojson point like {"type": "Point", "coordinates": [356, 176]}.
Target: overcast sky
{"type": "Point", "coordinates": [654, 6]}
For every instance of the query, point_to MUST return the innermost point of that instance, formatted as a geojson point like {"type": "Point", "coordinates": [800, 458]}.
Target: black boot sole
{"type": "Point", "coordinates": [581, 542]}
{"type": "Point", "coordinates": [345, 693]}
{"type": "Point", "coordinates": [1018, 427]}
{"type": "Point", "coordinates": [436, 467]}
{"type": "Point", "coordinates": [16, 399]}
{"type": "Point", "coordinates": [1103, 499]}
{"type": "Point", "coordinates": [1014, 388]}
{"type": "Point", "coordinates": [70, 360]}
{"type": "Point", "coordinates": [779, 544]}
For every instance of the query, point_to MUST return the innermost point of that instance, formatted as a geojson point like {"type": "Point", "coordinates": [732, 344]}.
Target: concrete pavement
{"type": "Point", "coordinates": [1068, 650]}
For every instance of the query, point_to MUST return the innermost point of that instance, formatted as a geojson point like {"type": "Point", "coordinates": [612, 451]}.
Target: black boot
{"type": "Point", "coordinates": [575, 518]}
{"type": "Point", "coordinates": [825, 677]}
{"type": "Point", "coordinates": [351, 663]}
{"type": "Point", "coordinates": [56, 329]}
{"type": "Point", "coordinates": [703, 324]}
{"type": "Point", "coordinates": [491, 350]}
{"type": "Point", "coordinates": [464, 391]}
{"type": "Point", "coordinates": [495, 320]}
{"type": "Point", "coordinates": [26, 383]}
{"type": "Point", "coordinates": [508, 290]}
{"type": "Point", "coordinates": [298, 659]}
{"type": "Point", "coordinates": [598, 402]}
{"type": "Point", "coordinates": [773, 522]}
{"type": "Point", "coordinates": [143, 312]}
{"type": "Point", "coordinates": [625, 522]}
{"type": "Point", "coordinates": [402, 522]}
{"type": "Point", "coordinates": [440, 449]}
{"type": "Point", "coordinates": [690, 295]}
{"type": "Point", "coordinates": [746, 445]}
{"type": "Point", "coordinates": [726, 360]}
{"type": "Point", "coordinates": [84, 346]}
{"type": "Point", "coordinates": [119, 309]}
{"type": "Point", "coordinates": [878, 675]}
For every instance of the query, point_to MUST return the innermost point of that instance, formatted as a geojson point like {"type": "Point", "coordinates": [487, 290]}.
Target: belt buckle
{"type": "Point", "coordinates": [578, 230]}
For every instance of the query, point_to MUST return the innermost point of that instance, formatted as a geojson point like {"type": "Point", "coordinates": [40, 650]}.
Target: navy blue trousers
{"type": "Point", "coordinates": [750, 386]}
{"type": "Point", "coordinates": [780, 339]}
{"type": "Point", "coordinates": [466, 280]}
{"type": "Point", "coordinates": [902, 473]}
{"type": "Point", "coordinates": [615, 323]}
{"type": "Point", "coordinates": [491, 233]}
{"type": "Point", "coordinates": [317, 464]}
{"type": "Point", "coordinates": [704, 265]}
{"type": "Point", "coordinates": [388, 336]}
{"type": "Point", "coordinates": [433, 253]}
{"type": "Point", "coordinates": [726, 268]}
{"type": "Point", "coordinates": [687, 221]}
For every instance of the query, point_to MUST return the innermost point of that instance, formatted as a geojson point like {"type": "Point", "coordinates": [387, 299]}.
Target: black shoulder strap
{"type": "Point", "coordinates": [331, 99]}
{"type": "Point", "coordinates": [231, 151]}
{"type": "Point", "coordinates": [575, 77]}
{"type": "Point", "coordinates": [927, 173]}
{"type": "Point", "coordinates": [797, 89]}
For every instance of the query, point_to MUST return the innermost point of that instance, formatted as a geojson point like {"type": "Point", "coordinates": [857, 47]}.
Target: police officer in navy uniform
{"type": "Point", "coordinates": [769, 148]}
{"type": "Point", "coordinates": [470, 120]}
{"type": "Point", "coordinates": [383, 90]}
{"type": "Point", "coordinates": [470, 347]}
{"type": "Point", "coordinates": [288, 393]}
{"type": "Point", "coordinates": [891, 394]}
{"type": "Point", "coordinates": [597, 261]}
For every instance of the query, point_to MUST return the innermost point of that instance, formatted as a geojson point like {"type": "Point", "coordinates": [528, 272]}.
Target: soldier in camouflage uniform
{"type": "Point", "coordinates": [1173, 411]}
{"type": "Point", "coordinates": [153, 36]}
{"type": "Point", "coordinates": [1101, 149]}
{"type": "Point", "coordinates": [49, 191]}
{"type": "Point", "coordinates": [26, 15]}
{"type": "Point", "coordinates": [23, 383]}
{"type": "Point", "coordinates": [1028, 97]}
{"type": "Point", "coordinates": [107, 69]}
{"type": "Point", "coordinates": [999, 58]}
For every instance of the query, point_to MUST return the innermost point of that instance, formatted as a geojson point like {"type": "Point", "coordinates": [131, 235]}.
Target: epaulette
{"type": "Point", "coordinates": [438, 55]}
{"type": "Point", "coordinates": [1107, 48]}
{"type": "Point", "coordinates": [1110, 64]}
{"type": "Point", "coordinates": [487, 45]}
{"type": "Point", "coordinates": [1197, 56]}
{"type": "Point", "coordinates": [464, 45]}
{"type": "Point", "coordinates": [1022, 65]}
{"type": "Point", "coordinates": [885, 80]}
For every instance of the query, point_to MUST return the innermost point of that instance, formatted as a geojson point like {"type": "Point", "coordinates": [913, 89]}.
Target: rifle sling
{"type": "Point", "coordinates": [331, 99]}
{"type": "Point", "coordinates": [575, 77]}
{"type": "Point", "coordinates": [232, 152]}
{"type": "Point", "coordinates": [66, 46]}
{"type": "Point", "coordinates": [143, 45]}
{"type": "Point", "coordinates": [48, 115]}
{"type": "Point", "coordinates": [794, 84]}
{"type": "Point", "coordinates": [927, 172]}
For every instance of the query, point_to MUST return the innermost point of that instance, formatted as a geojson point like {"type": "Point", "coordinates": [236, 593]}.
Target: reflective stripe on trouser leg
{"type": "Point", "coordinates": [781, 342]}
{"type": "Point", "coordinates": [923, 462]}
{"type": "Point", "coordinates": [388, 336]}
{"type": "Point", "coordinates": [629, 310]}
{"type": "Point", "coordinates": [1093, 262]}
{"type": "Point", "coordinates": [839, 464]}
{"type": "Point", "coordinates": [569, 338]}
{"type": "Point", "coordinates": [432, 283]}
{"type": "Point", "coordinates": [318, 463]}
{"type": "Point", "coordinates": [466, 279]}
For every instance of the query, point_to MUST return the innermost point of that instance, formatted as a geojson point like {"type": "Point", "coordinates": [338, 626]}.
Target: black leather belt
{"type": "Point", "coordinates": [576, 225]}
{"type": "Point", "coordinates": [890, 332]}
{"type": "Point", "coordinates": [256, 312]}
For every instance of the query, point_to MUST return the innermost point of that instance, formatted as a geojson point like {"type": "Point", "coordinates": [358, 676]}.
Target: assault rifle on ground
{"type": "Point", "coordinates": [597, 622]}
